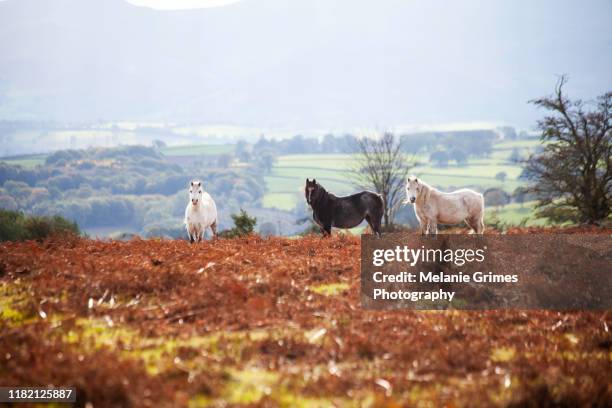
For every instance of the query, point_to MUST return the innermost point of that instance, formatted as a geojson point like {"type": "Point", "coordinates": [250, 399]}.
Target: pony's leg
{"type": "Point", "coordinates": [327, 229]}
{"type": "Point", "coordinates": [423, 227]}
{"type": "Point", "coordinates": [213, 228]}
{"type": "Point", "coordinates": [426, 227]}
{"type": "Point", "coordinates": [375, 225]}
{"type": "Point", "coordinates": [370, 226]}
{"type": "Point", "coordinates": [470, 222]}
{"type": "Point", "coordinates": [433, 228]}
{"type": "Point", "coordinates": [481, 225]}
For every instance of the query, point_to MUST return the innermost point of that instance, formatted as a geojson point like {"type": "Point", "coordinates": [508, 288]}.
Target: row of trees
{"type": "Point", "coordinates": [476, 143]}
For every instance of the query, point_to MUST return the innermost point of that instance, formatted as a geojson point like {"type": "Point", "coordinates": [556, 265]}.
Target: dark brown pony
{"type": "Point", "coordinates": [343, 212]}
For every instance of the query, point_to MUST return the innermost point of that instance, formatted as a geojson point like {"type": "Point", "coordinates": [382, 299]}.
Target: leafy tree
{"type": "Point", "coordinates": [243, 151]}
{"type": "Point", "coordinates": [415, 142]}
{"type": "Point", "coordinates": [501, 176]}
{"type": "Point", "coordinates": [262, 143]}
{"type": "Point", "coordinates": [17, 189]}
{"type": "Point", "coordinates": [515, 156]}
{"type": "Point", "coordinates": [496, 197]}
{"type": "Point", "coordinates": [508, 132]}
{"type": "Point", "coordinates": [329, 144]}
{"type": "Point", "coordinates": [459, 156]}
{"type": "Point", "coordinates": [520, 194]}
{"type": "Point", "coordinates": [440, 158]}
{"type": "Point", "coordinates": [8, 203]}
{"type": "Point", "coordinates": [572, 176]}
{"type": "Point", "coordinates": [348, 144]}
{"type": "Point", "coordinates": [224, 161]}
{"type": "Point", "coordinates": [265, 160]}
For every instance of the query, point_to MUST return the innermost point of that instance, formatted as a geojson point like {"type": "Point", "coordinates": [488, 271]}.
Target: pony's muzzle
{"type": "Point", "coordinates": [194, 201]}
{"type": "Point", "coordinates": [412, 199]}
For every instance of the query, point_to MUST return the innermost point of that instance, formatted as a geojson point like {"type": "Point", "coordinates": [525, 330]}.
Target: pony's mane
{"type": "Point", "coordinates": [427, 186]}
{"type": "Point", "coordinates": [421, 182]}
{"type": "Point", "coordinates": [323, 194]}
{"type": "Point", "coordinates": [427, 189]}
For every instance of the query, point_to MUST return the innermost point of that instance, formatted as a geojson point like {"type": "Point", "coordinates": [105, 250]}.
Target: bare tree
{"type": "Point", "coordinates": [383, 166]}
{"type": "Point", "coordinates": [572, 176]}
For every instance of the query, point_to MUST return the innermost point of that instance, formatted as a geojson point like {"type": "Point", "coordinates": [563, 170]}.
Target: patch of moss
{"type": "Point", "coordinates": [249, 386]}
{"type": "Point", "coordinates": [158, 353]}
{"type": "Point", "coordinates": [503, 354]}
{"type": "Point", "coordinates": [11, 300]}
{"type": "Point", "coordinates": [330, 289]}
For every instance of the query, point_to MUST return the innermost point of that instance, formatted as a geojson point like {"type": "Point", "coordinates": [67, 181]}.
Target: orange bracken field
{"type": "Point", "coordinates": [273, 322]}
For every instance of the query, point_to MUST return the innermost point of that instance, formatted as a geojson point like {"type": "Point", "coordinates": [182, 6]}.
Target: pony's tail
{"type": "Point", "coordinates": [382, 203]}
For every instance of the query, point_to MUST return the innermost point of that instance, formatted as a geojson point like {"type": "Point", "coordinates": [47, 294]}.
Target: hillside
{"type": "Point", "coordinates": [273, 322]}
{"type": "Point", "coordinates": [299, 65]}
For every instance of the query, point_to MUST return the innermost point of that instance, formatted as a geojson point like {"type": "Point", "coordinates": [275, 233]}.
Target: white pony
{"type": "Point", "coordinates": [433, 207]}
{"type": "Point", "coordinates": [201, 213]}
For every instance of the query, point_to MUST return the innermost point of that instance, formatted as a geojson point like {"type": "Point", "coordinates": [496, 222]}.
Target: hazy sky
{"type": "Point", "coordinates": [299, 64]}
{"type": "Point", "coordinates": [181, 4]}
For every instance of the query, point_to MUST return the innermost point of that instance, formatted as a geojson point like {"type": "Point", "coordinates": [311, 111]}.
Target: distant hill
{"type": "Point", "coordinates": [304, 63]}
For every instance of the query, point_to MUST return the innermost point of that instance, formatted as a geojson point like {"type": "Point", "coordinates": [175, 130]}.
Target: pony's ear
{"type": "Point", "coordinates": [314, 181]}
{"type": "Point", "coordinates": [191, 183]}
{"type": "Point", "coordinates": [307, 180]}
{"type": "Point", "coordinates": [199, 184]}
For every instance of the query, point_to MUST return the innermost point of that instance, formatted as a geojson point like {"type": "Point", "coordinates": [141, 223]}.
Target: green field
{"type": "Point", "coordinates": [198, 150]}
{"type": "Point", "coordinates": [515, 214]}
{"type": "Point", "coordinates": [28, 161]}
{"type": "Point", "coordinates": [286, 182]}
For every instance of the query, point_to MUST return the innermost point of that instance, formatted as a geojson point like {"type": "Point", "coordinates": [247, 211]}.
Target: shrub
{"type": "Point", "coordinates": [440, 158]}
{"type": "Point", "coordinates": [14, 226]}
{"type": "Point", "coordinates": [11, 228]}
{"type": "Point", "coordinates": [243, 225]}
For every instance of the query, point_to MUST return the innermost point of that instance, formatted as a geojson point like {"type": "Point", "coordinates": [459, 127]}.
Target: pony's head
{"type": "Point", "coordinates": [195, 191]}
{"type": "Point", "coordinates": [413, 189]}
{"type": "Point", "coordinates": [311, 191]}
